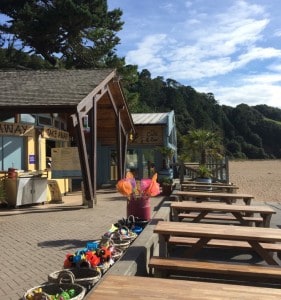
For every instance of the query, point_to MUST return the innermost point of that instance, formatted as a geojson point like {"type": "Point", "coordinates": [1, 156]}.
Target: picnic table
{"type": "Point", "coordinates": [119, 287]}
{"type": "Point", "coordinates": [257, 238]}
{"type": "Point", "coordinates": [226, 197]}
{"type": "Point", "coordinates": [244, 214]}
{"type": "Point", "coordinates": [228, 188]}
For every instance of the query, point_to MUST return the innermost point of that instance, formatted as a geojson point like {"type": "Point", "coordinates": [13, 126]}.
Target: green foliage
{"type": "Point", "coordinates": [13, 58]}
{"type": "Point", "coordinates": [82, 33]}
{"type": "Point", "coordinates": [201, 144]}
{"type": "Point", "coordinates": [165, 181]}
{"type": "Point", "coordinates": [166, 152]}
{"type": "Point", "coordinates": [242, 128]}
{"type": "Point", "coordinates": [203, 172]}
{"type": "Point", "coordinates": [269, 112]}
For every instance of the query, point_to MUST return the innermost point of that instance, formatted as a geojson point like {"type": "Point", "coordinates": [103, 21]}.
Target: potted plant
{"type": "Point", "coordinates": [167, 185]}
{"type": "Point", "coordinates": [167, 154]}
{"type": "Point", "coordinates": [204, 174]}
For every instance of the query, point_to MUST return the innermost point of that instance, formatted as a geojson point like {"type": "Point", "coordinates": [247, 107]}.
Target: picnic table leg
{"type": "Point", "coordinates": [200, 216]}
{"type": "Point", "coordinates": [240, 219]}
{"type": "Point", "coordinates": [266, 219]}
{"type": "Point", "coordinates": [247, 201]}
{"type": "Point", "coordinates": [263, 253]}
{"type": "Point", "coordinates": [197, 247]}
{"type": "Point", "coordinates": [175, 215]}
{"type": "Point", "coordinates": [163, 246]}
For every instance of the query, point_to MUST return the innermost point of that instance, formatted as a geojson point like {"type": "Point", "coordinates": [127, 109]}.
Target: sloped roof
{"type": "Point", "coordinates": [68, 91]}
{"type": "Point", "coordinates": [150, 118]}
{"type": "Point", "coordinates": [59, 88]}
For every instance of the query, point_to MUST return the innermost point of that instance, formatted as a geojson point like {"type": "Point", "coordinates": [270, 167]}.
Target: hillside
{"type": "Point", "coordinates": [252, 132]}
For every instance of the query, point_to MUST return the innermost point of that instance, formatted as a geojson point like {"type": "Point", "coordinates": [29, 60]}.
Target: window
{"type": "Point", "coordinates": [45, 120]}
{"type": "Point", "coordinates": [27, 118]}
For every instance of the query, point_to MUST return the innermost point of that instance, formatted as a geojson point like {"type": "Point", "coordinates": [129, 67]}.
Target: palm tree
{"type": "Point", "coordinates": [201, 144]}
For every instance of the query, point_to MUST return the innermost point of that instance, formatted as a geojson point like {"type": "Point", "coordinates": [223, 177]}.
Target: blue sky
{"type": "Point", "coordinates": [231, 48]}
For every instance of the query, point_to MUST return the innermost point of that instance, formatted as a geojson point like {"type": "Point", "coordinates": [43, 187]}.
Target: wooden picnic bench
{"type": "Point", "coordinates": [226, 244]}
{"type": "Point", "coordinates": [228, 188]}
{"type": "Point", "coordinates": [164, 267]}
{"type": "Point", "coordinates": [243, 214]}
{"type": "Point", "coordinates": [255, 237]}
{"type": "Point", "coordinates": [200, 196]}
{"type": "Point", "coordinates": [120, 287]}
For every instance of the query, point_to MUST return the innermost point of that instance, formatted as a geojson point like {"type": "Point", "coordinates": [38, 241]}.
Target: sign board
{"type": "Point", "coordinates": [65, 162]}
{"type": "Point", "coordinates": [55, 134]}
{"type": "Point", "coordinates": [16, 129]}
{"type": "Point", "coordinates": [149, 135]}
{"type": "Point", "coordinates": [32, 159]}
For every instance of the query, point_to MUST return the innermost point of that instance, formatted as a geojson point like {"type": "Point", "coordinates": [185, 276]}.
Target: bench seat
{"type": "Point", "coordinates": [222, 217]}
{"type": "Point", "coordinates": [164, 267]}
{"type": "Point", "coordinates": [188, 241]}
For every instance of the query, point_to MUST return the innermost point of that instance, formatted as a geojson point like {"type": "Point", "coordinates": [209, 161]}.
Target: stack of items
{"type": "Point", "coordinates": [84, 268]}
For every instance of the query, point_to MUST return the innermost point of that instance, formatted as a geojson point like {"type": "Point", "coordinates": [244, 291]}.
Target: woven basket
{"type": "Point", "coordinates": [119, 241]}
{"type": "Point", "coordinates": [116, 253]}
{"type": "Point", "coordinates": [53, 289]}
{"type": "Point", "coordinates": [86, 277]}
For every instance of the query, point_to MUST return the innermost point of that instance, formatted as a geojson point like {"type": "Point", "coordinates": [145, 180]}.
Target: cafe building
{"type": "Point", "coordinates": [56, 125]}
{"type": "Point", "coordinates": [63, 130]}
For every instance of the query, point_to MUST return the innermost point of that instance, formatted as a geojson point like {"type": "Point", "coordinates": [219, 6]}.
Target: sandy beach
{"type": "Point", "coordinates": [261, 178]}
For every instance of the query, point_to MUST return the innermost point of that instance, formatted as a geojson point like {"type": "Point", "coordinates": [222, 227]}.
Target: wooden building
{"type": "Point", "coordinates": [155, 132]}
{"type": "Point", "coordinates": [53, 109]}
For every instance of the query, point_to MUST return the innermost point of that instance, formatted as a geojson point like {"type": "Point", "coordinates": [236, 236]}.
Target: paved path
{"type": "Point", "coordinates": [34, 240]}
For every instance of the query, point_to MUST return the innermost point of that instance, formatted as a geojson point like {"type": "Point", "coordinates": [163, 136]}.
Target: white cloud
{"type": "Point", "coordinates": [257, 53]}
{"type": "Point", "coordinates": [228, 49]}
{"type": "Point", "coordinates": [263, 79]}
{"type": "Point", "coordinates": [146, 54]}
{"type": "Point", "coordinates": [275, 67]}
{"type": "Point", "coordinates": [277, 33]}
{"type": "Point", "coordinates": [252, 94]}
{"type": "Point", "coordinates": [253, 91]}
{"type": "Point", "coordinates": [211, 54]}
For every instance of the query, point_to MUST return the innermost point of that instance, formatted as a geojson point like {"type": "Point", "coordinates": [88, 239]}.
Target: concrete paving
{"type": "Point", "coordinates": [34, 240]}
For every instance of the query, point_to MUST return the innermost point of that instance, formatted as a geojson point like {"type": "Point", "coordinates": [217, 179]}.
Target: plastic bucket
{"type": "Point", "coordinates": [139, 207]}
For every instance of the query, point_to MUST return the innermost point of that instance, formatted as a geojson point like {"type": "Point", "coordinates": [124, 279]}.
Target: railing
{"type": "Point", "coordinates": [219, 169]}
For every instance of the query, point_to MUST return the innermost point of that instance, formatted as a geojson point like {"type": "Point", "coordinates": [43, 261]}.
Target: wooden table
{"type": "Point", "coordinates": [238, 211]}
{"type": "Point", "coordinates": [226, 197]}
{"type": "Point", "coordinates": [118, 287]}
{"type": "Point", "coordinates": [228, 188]}
{"type": "Point", "coordinates": [254, 236]}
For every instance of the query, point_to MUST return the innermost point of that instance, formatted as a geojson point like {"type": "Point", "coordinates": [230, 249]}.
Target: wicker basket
{"type": "Point", "coordinates": [86, 277]}
{"type": "Point", "coordinates": [53, 289]}
{"type": "Point", "coordinates": [119, 241]}
{"type": "Point", "coordinates": [116, 253]}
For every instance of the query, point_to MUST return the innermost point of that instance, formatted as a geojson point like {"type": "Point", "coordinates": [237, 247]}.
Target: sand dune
{"type": "Point", "coordinates": [261, 178]}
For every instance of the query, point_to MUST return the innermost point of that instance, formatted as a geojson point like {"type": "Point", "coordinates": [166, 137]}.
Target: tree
{"type": "Point", "coordinates": [202, 143]}
{"type": "Point", "coordinates": [82, 33]}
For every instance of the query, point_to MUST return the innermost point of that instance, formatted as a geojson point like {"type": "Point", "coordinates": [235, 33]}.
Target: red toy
{"type": "Point", "coordinates": [104, 254]}
{"type": "Point", "coordinates": [68, 262]}
{"type": "Point", "coordinates": [92, 258]}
